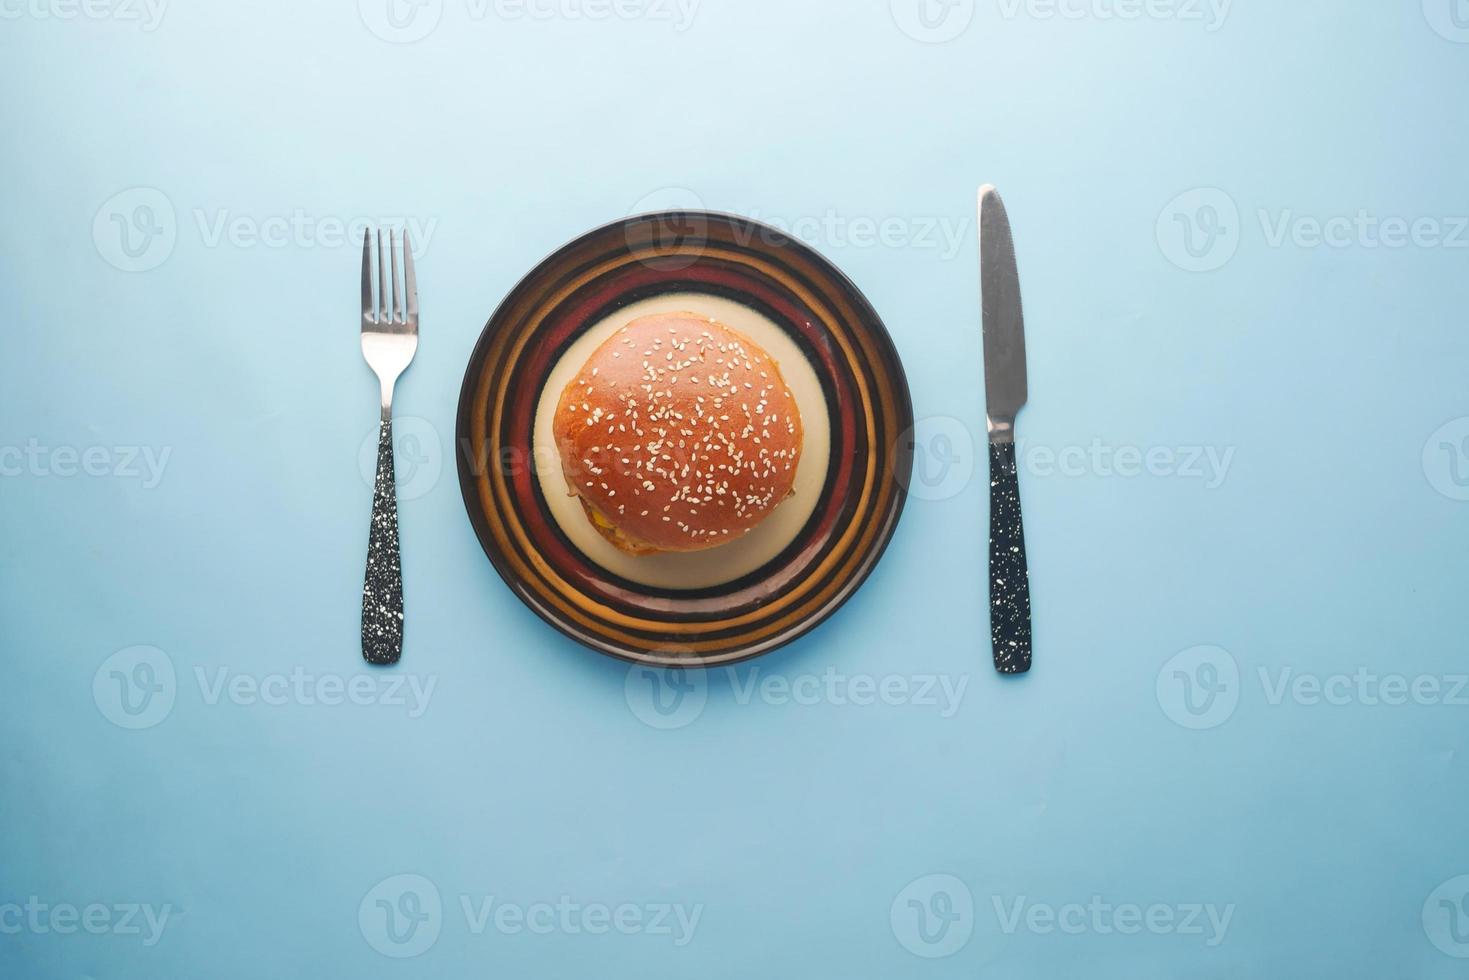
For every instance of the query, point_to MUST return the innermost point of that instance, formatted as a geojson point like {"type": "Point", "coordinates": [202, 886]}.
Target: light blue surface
{"type": "Point", "coordinates": [1327, 540]}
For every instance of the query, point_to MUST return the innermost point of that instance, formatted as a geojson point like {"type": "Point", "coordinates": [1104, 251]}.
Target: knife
{"type": "Point", "coordinates": [1004, 389]}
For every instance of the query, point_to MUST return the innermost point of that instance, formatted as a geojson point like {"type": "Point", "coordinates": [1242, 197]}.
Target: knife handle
{"type": "Point", "coordinates": [1009, 574]}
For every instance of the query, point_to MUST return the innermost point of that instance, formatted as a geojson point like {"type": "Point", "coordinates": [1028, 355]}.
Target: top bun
{"type": "Point", "coordinates": [678, 434]}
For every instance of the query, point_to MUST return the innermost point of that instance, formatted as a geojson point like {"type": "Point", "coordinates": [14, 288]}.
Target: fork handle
{"type": "Point", "coordinates": [1009, 573]}
{"type": "Point", "coordinates": [382, 588]}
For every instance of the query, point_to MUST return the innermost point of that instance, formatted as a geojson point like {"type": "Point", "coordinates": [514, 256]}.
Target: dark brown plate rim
{"type": "Point", "coordinates": [760, 236]}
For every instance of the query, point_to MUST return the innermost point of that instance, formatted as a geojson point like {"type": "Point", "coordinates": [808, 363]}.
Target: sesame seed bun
{"type": "Point", "coordinates": [678, 434]}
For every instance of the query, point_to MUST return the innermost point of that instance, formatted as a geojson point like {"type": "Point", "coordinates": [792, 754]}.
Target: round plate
{"type": "Point", "coordinates": [862, 458]}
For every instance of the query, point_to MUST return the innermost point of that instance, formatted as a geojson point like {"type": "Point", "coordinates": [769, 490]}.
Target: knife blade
{"type": "Point", "coordinates": [1005, 390]}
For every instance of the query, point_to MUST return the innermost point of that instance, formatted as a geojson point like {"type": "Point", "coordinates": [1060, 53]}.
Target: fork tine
{"type": "Point", "coordinates": [382, 281]}
{"type": "Point", "coordinates": [397, 295]}
{"type": "Point", "coordinates": [410, 284]}
{"type": "Point", "coordinates": [366, 274]}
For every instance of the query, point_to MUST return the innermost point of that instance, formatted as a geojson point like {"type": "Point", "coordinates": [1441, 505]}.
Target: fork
{"type": "Point", "coordinates": [389, 340]}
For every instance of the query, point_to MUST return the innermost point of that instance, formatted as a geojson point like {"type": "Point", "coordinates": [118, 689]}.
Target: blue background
{"type": "Point", "coordinates": [1329, 547]}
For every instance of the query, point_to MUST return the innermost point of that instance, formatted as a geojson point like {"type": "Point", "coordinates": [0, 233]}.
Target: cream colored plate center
{"type": "Point", "coordinates": [726, 562]}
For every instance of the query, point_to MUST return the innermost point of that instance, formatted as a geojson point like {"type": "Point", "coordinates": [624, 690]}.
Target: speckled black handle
{"type": "Point", "coordinates": [1009, 575]}
{"type": "Point", "coordinates": [382, 590]}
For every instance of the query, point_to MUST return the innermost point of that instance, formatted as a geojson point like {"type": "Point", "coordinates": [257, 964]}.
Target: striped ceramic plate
{"type": "Point", "coordinates": [739, 599]}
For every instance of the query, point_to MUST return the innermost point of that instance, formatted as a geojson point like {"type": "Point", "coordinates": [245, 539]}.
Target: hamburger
{"type": "Point", "coordinates": [678, 434]}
